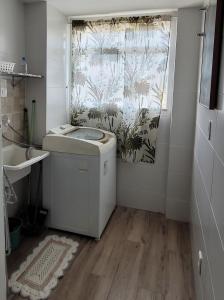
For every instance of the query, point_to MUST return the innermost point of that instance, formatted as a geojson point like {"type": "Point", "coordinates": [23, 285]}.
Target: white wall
{"type": "Point", "coordinates": [46, 30]}
{"type": "Point", "coordinates": [143, 185]}
{"type": "Point", "coordinates": [56, 68]}
{"type": "Point", "coordinates": [165, 186]}
{"type": "Point", "coordinates": [207, 211]}
{"type": "Point", "coordinates": [12, 48]}
{"type": "Point", "coordinates": [183, 114]}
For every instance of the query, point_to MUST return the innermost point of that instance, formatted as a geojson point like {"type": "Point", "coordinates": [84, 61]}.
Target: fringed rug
{"type": "Point", "coordinates": [39, 274]}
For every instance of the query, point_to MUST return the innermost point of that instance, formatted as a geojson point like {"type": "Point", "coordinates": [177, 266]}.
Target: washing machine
{"type": "Point", "coordinates": [79, 179]}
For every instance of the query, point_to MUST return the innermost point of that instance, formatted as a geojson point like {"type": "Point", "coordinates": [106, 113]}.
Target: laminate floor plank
{"type": "Point", "coordinates": [141, 256]}
{"type": "Point", "coordinates": [148, 295]}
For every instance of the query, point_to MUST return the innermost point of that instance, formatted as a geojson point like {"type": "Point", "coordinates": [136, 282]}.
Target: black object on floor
{"type": "Point", "coordinates": [34, 215]}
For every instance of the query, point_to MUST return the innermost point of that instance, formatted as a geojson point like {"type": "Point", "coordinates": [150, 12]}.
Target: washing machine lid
{"type": "Point", "coordinates": [79, 140]}
{"type": "Point", "coordinates": [90, 134]}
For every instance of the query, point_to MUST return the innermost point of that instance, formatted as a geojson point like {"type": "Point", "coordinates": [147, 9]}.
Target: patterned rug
{"type": "Point", "coordinates": [39, 274]}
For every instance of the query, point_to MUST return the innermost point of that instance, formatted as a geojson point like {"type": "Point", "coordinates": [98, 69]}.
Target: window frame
{"type": "Point", "coordinates": [171, 68]}
{"type": "Point", "coordinates": [172, 54]}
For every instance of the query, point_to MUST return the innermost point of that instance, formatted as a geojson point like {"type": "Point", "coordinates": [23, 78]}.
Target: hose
{"type": "Point", "coordinates": [13, 129]}
{"type": "Point", "coordinates": [20, 143]}
{"type": "Point", "coordinates": [10, 196]}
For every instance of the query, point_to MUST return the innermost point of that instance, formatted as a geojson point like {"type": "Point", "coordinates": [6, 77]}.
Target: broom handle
{"type": "Point", "coordinates": [32, 121]}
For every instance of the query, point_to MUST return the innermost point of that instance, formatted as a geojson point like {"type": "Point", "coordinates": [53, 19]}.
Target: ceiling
{"type": "Point", "coordinates": [91, 7]}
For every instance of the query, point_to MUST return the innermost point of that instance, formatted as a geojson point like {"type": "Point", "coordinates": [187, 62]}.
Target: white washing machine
{"type": "Point", "coordinates": [79, 179]}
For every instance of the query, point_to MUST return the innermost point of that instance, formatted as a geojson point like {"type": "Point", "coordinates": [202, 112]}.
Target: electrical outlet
{"type": "Point", "coordinates": [3, 88]}
{"type": "Point", "coordinates": [200, 261]}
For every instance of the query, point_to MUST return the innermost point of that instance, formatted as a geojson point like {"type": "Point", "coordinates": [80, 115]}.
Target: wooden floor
{"type": "Point", "coordinates": [141, 256]}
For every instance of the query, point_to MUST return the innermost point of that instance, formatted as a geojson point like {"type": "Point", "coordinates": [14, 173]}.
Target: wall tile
{"type": "Point", "coordinates": [202, 199]}
{"type": "Point", "coordinates": [177, 210]}
{"type": "Point", "coordinates": [187, 55]}
{"type": "Point", "coordinates": [204, 287]}
{"type": "Point", "coordinates": [140, 199]}
{"type": "Point", "coordinates": [204, 154]}
{"type": "Point", "coordinates": [219, 140]}
{"type": "Point", "coordinates": [205, 115]}
{"type": "Point", "coordinates": [142, 185]}
{"type": "Point", "coordinates": [212, 238]}
{"type": "Point", "coordinates": [141, 177]}
{"type": "Point", "coordinates": [186, 101]}
{"type": "Point", "coordinates": [17, 120]}
{"type": "Point", "coordinates": [208, 174]}
{"type": "Point", "coordinates": [179, 186]}
{"type": "Point", "coordinates": [180, 159]}
{"type": "Point", "coordinates": [56, 47]}
{"type": "Point", "coordinates": [13, 107]}
{"type": "Point", "coordinates": [220, 104]}
{"type": "Point", "coordinates": [164, 129]}
{"type": "Point", "coordinates": [56, 107]}
{"type": "Point", "coordinates": [183, 119]}
{"type": "Point", "coordinates": [197, 244]}
{"type": "Point", "coordinates": [218, 194]}
{"type": "Point", "coordinates": [221, 79]}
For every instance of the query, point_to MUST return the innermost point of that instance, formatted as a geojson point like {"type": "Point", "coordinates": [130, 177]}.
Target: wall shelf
{"type": "Point", "coordinates": [17, 77]}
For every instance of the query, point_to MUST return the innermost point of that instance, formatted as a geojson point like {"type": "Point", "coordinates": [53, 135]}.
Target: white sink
{"type": "Point", "coordinates": [15, 163]}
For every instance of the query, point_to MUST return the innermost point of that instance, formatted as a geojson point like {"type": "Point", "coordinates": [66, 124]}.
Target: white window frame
{"type": "Point", "coordinates": [171, 66]}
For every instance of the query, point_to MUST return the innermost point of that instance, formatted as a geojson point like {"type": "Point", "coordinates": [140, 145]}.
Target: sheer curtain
{"type": "Point", "coordinates": [119, 71]}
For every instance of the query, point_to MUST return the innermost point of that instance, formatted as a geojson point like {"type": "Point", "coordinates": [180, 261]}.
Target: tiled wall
{"type": "Point", "coordinates": [207, 212]}
{"type": "Point", "coordinates": [13, 107]}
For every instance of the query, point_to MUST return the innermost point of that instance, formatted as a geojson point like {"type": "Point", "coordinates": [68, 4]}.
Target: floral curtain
{"type": "Point", "coordinates": [119, 69]}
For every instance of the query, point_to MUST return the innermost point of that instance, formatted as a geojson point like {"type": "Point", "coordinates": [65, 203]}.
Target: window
{"type": "Point", "coordinates": [119, 79]}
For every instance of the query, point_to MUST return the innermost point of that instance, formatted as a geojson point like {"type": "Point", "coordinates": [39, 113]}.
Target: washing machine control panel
{"type": "Point", "coordinates": [62, 129]}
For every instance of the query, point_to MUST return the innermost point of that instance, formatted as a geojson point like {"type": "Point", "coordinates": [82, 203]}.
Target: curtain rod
{"type": "Point", "coordinates": [152, 12]}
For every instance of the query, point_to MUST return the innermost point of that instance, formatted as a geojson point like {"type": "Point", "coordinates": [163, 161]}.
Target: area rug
{"type": "Point", "coordinates": [40, 273]}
